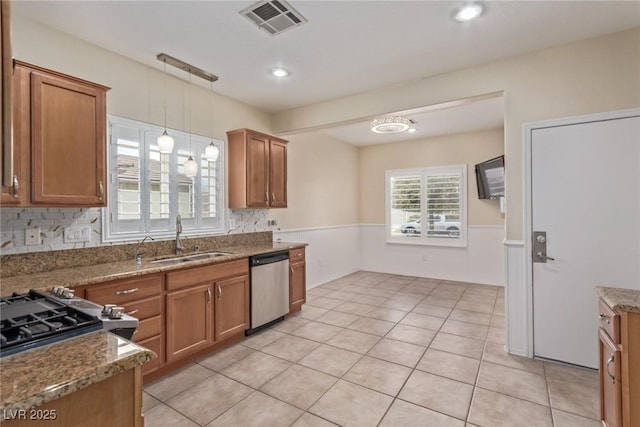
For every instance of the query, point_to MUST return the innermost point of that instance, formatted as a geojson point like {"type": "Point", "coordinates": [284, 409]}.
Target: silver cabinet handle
{"type": "Point", "coordinates": [208, 294]}
{"type": "Point", "coordinates": [299, 255]}
{"type": "Point", "coordinates": [219, 291]}
{"type": "Point", "coordinates": [266, 197]}
{"type": "Point", "coordinates": [541, 255]}
{"type": "Point", "coordinates": [16, 186]}
{"type": "Point", "coordinates": [127, 292]}
{"type": "Point", "coordinates": [273, 197]}
{"type": "Point", "coordinates": [132, 312]}
{"type": "Point", "coordinates": [604, 318]}
{"type": "Point", "coordinates": [100, 190]}
{"type": "Point", "coordinates": [609, 361]}
{"type": "Point", "coordinates": [291, 269]}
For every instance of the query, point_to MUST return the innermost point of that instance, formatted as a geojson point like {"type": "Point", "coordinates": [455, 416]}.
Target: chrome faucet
{"type": "Point", "coordinates": [138, 253]}
{"type": "Point", "coordinates": [179, 247]}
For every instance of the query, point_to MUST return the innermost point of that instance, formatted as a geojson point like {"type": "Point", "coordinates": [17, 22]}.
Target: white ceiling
{"type": "Point", "coordinates": [346, 47]}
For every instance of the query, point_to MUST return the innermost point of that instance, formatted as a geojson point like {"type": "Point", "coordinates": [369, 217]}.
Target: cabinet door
{"type": "Point", "coordinates": [14, 191]}
{"type": "Point", "coordinates": [68, 132]}
{"type": "Point", "coordinates": [257, 171]}
{"type": "Point", "coordinates": [297, 286]}
{"type": "Point", "coordinates": [189, 321]}
{"type": "Point", "coordinates": [231, 306]}
{"type": "Point", "coordinates": [278, 174]}
{"type": "Point", "coordinates": [610, 382]}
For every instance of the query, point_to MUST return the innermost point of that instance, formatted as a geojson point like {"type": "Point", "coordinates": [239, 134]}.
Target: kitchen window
{"type": "Point", "coordinates": [148, 189]}
{"type": "Point", "coordinates": [427, 206]}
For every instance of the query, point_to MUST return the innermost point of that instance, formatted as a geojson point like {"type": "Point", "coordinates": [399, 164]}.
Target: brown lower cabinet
{"type": "Point", "coordinates": [231, 307]}
{"type": "Point", "coordinates": [297, 279]}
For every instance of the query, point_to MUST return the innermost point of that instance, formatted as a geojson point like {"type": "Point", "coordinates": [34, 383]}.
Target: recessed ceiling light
{"type": "Point", "coordinates": [468, 12]}
{"type": "Point", "coordinates": [412, 130]}
{"type": "Point", "coordinates": [280, 72]}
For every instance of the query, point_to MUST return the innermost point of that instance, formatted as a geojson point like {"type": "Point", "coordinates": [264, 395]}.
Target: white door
{"type": "Point", "coordinates": [585, 187]}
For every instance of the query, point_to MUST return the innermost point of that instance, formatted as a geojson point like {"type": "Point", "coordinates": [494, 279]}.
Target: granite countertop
{"type": "Point", "coordinates": [98, 273]}
{"type": "Point", "coordinates": [34, 377]}
{"type": "Point", "coordinates": [620, 299]}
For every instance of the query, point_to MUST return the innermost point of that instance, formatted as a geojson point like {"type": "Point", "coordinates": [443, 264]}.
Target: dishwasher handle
{"type": "Point", "coordinates": [268, 258]}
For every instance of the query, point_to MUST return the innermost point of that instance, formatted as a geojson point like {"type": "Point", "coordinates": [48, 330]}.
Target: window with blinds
{"type": "Point", "coordinates": [148, 189]}
{"type": "Point", "coordinates": [427, 206]}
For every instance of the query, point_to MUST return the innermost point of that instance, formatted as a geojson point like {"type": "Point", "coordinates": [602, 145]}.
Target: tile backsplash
{"type": "Point", "coordinates": [53, 221]}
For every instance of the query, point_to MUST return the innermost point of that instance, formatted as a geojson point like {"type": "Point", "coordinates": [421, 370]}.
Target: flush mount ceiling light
{"type": "Point", "coordinates": [468, 12]}
{"type": "Point", "coordinates": [390, 124]}
{"type": "Point", "coordinates": [279, 72]}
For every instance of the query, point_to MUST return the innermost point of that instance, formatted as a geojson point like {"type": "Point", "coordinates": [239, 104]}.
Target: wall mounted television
{"type": "Point", "coordinates": [490, 178]}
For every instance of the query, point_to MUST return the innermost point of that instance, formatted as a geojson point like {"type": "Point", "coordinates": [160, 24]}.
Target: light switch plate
{"type": "Point", "coordinates": [77, 234]}
{"type": "Point", "coordinates": [32, 236]}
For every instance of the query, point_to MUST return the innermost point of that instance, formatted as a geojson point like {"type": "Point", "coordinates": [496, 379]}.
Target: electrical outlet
{"type": "Point", "coordinates": [32, 236]}
{"type": "Point", "coordinates": [77, 234]}
{"type": "Point", "coordinates": [272, 222]}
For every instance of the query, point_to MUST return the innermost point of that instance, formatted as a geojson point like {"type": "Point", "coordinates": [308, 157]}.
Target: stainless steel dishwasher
{"type": "Point", "coordinates": [269, 289]}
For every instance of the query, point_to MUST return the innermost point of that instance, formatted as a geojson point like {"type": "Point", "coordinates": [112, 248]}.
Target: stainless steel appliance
{"type": "Point", "coordinates": [269, 289]}
{"type": "Point", "coordinates": [39, 318]}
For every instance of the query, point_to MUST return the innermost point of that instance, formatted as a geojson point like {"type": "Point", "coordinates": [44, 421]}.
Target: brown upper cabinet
{"type": "Point", "coordinates": [257, 170]}
{"type": "Point", "coordinates": [59, 140]}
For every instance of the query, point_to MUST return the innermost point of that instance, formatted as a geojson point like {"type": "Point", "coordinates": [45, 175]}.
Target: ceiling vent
{"type": "Point", "coordinates": [274, 16]}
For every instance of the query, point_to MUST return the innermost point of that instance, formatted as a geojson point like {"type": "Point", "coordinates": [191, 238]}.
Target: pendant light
{"type": "Point", "coordinates": [212, 151]}
{"type": "Point", "coordinates": [165, 142]}
{"type": "Point", "coordinates": [190, 166]}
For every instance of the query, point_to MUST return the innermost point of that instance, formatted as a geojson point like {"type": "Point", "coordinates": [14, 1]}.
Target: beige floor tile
{"type": "Point", "coordinates": [464, 329]}
{"type": "Point", "coordinates": [354, 341]}
{"type": "Point", "coordinates": [458, 345]}
{"type": "Point", "coordinates": [148, 402]}
{"type": "Point", "coordinates": [497, 410]}
{"type": "Point", "coordinates": [399, 304]}
{"type": "Point", "coordinates": [350, 405]}
{"type": "Point", "coordinates": [343, 296]}
{"type": "Point", "coordinates": [317, 331]}
{"type": "Point", "coordinates": [432, 310]}
{"type": "Point", "coordinates": [499, 309]}
{"type": "Point", "coordinates": [494, 353]}
{"type": "Point", "coordinates": [370, 299]}
{"type": "Point", "coordinates": [454, 366]}
{"type": "Point", "coordinates": [310, 312]}
{"type": "Point", "coordinates": [478, 299]}
{"type": "Point", "coordinates": [258, 410]}
{"type": "Point", "coordinates": [378, 375]}
{"type": "Point", "coordinates": [446, 293]}
{"type": "Point", "coordinates": [354, 308]}
{"type": "Point", "coordinates": [177, 381]}
{"type": "Point", "coordinates": [299, 386]}
{"type": "Point", "coordinates": [405, 414]}
{"type": "Point", "coordinates": [575, 398]}
{"type": "Point", "coordinates": [423, 321]}
{"type": "Point", "coordinates": [497, 336]}
{"type": "Point", "coordinates": [411, 334]}
{"type": "Point", "coordinates": [564, 419]}
{"type": "Point", "coordinates": [310, 420]}
{"type": "Point", "coordinates": [416, 289]}
{"type": "Point", "coordinates": [384, 293]}
{"type": "Point", "coordinates": [440, 301]}
{"type": "Point", "coordinates": [471, 317]}
{"type": "Point", "coordinates": [387, 314]}
{"type": "Point", "coordinates": [162, 416]}
{"type": "Point", "coordinates": [586, 377]}
{"type": "Point", "coordinates": [390, 286]}
{"type": "Point", "coordinates": [290, 348]}
{"type": "Point", "coordinates": [371, 326]}
{"type": "Point", "coordinates": [437, 393]}
{"type": "Point", "coordinates": [481, 290]}
{"type": "Point", "coordinates": [290, 324]}
{"type": "Point", "coordinates": [399, 352]}
{"type": "Point", "coordinates": [330, 360]}
{"type": "Point", "coordinates": [209, 398]}
{"type": "Point", "coordinates": [480, 307]}
{"type": "Point", "coordinates": [319, 291]}
{"type": "Point", "coordinates": [256, 369]}
{"type": "Point", "coordinates": [498, 322]}
{"type": "Point", "coordinates": [513, 382]}
{"type": "Point", "coordinates": [228, 356]}
{"type": "Point", "coordinates": [261, 339]}
{"type": "Point", "coordinates": [337, 318]}
{"type": "Point", "coordinates": [325, 302]}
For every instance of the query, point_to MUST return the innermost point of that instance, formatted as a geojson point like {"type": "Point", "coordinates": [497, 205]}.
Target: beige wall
{"type": "Point", "coordinates": [322, 184]}
{"type": "Point", "coordinates": [467, 148]}
{"type": "Point", "coordinates": [590, 76]}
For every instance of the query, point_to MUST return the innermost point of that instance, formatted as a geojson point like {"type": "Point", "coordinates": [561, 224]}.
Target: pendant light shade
{"type": "Point", "coordinates": [212, 152]}
{"type": "Point", "coordinates": [190, 167]}
{"type": "Point", "coordinates": [165, 143]}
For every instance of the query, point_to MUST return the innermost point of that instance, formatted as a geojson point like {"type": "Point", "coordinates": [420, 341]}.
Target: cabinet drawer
{"type": "Point", "coordinates": [148, 328]}
{"type": "Point", "coordinates": [154, 344]}
{"type": "Point", "coordinates": [144, 309]}
{"type": "Point", "coordinates": [209, 273]}
{"type": "Point", "coordinates": [296, 255]}
{"type": "Point", "coordinates": [609, 321]}
{"type": "Point", "coordinates": [124, 291]}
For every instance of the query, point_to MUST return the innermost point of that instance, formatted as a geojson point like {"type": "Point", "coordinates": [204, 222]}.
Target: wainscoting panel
{"type": "Point", "coordinates": [518, 304]}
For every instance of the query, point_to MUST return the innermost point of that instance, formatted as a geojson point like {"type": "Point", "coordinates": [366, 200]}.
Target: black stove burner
{"type": "Point", "coordinates": [33, 319]}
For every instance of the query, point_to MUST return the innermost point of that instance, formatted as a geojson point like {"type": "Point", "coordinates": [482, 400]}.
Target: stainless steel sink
{"type": "Point", "coordinates": [194, 257]}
